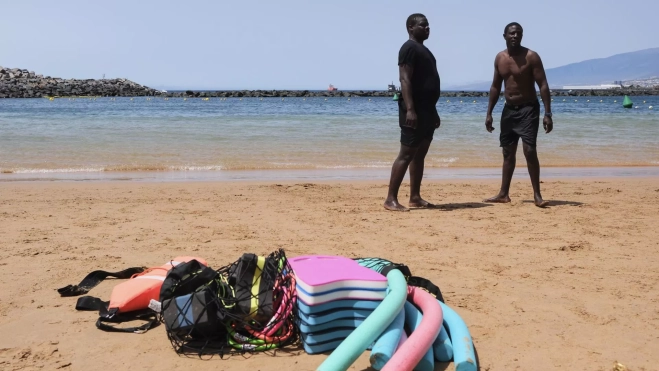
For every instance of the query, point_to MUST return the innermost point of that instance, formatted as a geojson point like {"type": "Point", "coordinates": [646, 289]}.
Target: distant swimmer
{"type": "Point", "coordinates": [519, 69]}
{"type": "Point", "coordinates": [417, 112]}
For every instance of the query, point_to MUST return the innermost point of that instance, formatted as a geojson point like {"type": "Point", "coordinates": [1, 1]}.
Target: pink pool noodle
{"type": "Point", "coordinates": [410, 352]}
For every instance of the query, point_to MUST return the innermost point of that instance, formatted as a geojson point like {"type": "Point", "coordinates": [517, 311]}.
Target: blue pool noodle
{"type": "Point", "coordinates": [358, 341]}
{"type": "Point", "coordinates": [442, 346]}
{"type": "Point", "coordinates": [464, 357]}
{"type": "Point", "coordinates": [386, 344]}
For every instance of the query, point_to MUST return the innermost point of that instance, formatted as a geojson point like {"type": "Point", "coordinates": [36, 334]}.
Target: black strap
{"type": "Point", "coordinates": [150, 317]}
{"type": "Point", "coordinates": [113, 316]}
{"type": "Point", "coordinates": [426, 285]}
{"type": "Point", "coordinates": [404, 269]}
{"type": "Point", "coordinates": [94, 278]}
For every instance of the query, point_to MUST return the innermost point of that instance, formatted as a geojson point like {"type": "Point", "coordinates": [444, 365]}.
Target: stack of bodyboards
{"type": "Point", "coordinates": [335, 295]}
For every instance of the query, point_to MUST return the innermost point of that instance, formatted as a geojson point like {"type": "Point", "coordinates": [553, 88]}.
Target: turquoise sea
{"type": "Point", "coordinates": [254, 138]}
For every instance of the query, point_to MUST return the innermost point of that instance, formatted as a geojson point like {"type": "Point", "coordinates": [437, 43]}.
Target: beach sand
{"type": "Point", "coordinates": [571, 287]}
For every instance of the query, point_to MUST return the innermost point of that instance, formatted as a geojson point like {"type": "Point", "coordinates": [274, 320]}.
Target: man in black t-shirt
{"type": "Point", "coordinates": [417, 112]}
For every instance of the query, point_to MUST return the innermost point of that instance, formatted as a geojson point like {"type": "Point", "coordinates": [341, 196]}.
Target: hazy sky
{"type": "Point", "coordinates": [206, 44]}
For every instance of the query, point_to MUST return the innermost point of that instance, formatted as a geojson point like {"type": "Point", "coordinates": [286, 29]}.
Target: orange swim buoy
{"type": "Point", "coordinates": [137, 292]}
{"type": "Point", "coordinates": [129, 300]}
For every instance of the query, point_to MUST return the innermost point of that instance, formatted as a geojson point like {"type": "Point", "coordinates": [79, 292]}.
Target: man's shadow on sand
{"type": "Point", "coordinates": [556, 203]}
{"type": "Point", "coordinates": [452, 206]}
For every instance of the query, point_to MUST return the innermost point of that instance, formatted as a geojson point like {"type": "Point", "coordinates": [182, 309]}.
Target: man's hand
{"type": "Point", "coordinates": [548, 124]}
{"type": "Point", "coordinates": [410, 119]}
{"type": "Point", "coordinates": [488, 123]}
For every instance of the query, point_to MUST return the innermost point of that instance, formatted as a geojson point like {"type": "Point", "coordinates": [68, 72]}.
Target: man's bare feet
{"type": "Point", "coordinates": [420, 203]}
{"type": "Point", "coordinates": [501, 199]}
{"type": "Point", "coordinates": [394, 206]}
{"type": "Point", "coordinates": [539, 202]}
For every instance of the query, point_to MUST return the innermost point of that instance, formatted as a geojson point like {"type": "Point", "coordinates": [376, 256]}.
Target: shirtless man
{"type": "Point", "coordinates": [417, 112]}
{"type": "Point", "coordinates": [520, 69]}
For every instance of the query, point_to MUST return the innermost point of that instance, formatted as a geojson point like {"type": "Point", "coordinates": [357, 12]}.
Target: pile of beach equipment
{"type": "Point", "coordinates": [327, 304]}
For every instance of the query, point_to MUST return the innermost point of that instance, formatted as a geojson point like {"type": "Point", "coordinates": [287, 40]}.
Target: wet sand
{"type": "Point", "coordinates": [574, 286]}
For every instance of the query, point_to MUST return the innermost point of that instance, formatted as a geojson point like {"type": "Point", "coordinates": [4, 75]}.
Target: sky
{"type": "Point", "coordinates": [226, 45]}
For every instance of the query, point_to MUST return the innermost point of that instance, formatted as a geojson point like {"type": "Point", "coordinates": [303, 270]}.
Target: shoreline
{"type": "Point", "coordinates": [354, 174]}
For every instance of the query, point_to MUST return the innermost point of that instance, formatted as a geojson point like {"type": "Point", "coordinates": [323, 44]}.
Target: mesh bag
{"type": "Point", "coordinates": [265, 303]}
{"type": "Point", "coordinates": [245, 306]}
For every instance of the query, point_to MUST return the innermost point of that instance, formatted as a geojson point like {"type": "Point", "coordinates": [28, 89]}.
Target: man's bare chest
{"type": "Point", "coordinates": [515, 68]}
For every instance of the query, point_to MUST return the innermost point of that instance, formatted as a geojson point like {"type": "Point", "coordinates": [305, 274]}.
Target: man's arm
{"type": "Point", "coordinates": [406, 71]}
{"type": "Point", "coordinates": [541, 79]}
{"type": "Point", "coordinates": [495, 89]}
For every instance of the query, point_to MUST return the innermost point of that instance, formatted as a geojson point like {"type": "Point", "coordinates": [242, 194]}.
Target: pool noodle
{"type": "Point", "coordinates": [413, 319]}
{"type": "Point", "coordinates": [403, 338]}
{"type": "Point", "coordinates": [387, 343]}
{"type": "Point", "coordinates": [421, 340]}
{"type": "Point", "coordinates": [365, 334]}
{"type": "Point", "coordinates": [442, 346]}
{"type": "Point", "coordinates": [464, 358]}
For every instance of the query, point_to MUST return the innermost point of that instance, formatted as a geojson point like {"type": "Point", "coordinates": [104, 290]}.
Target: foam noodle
{"type": "Point", "coordinates": [442, 346]}
{"type": "Point", "coordinates": [413, 319]}
{"type": "Point", "coordinates": [463, 347]}
{"type": "Point", "coordinates": [388, 342]}
{"type": "Point", "coordinates": [363, 336]}
{"type": "Point", "coordinates": [421, 340]}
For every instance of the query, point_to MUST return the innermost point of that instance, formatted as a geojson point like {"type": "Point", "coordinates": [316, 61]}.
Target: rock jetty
{"type": "Point", "coordinates": [21, 83]}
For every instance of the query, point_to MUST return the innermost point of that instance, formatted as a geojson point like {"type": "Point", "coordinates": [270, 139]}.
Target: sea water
{"type": "Point", "coordinates": [257, 138]}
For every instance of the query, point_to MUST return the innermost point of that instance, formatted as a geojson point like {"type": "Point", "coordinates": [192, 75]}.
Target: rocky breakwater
{"type": "Point", "coordinates": [21, 83]}
{"type": "Point", "coordinates": [381, 93]}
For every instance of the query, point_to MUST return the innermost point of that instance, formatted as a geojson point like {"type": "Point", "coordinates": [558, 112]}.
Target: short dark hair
{"type": "Point", "coordinates": [512, 24]}
{"type": "Point", "coordinates": [413, 20]}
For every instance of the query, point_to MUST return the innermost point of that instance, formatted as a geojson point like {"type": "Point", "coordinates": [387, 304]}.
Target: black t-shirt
{"type": "Point", "coordinates": [425, 78]}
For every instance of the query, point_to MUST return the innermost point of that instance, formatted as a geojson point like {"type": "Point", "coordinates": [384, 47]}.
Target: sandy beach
{"type": "Point", "coordinates": [571, 287]}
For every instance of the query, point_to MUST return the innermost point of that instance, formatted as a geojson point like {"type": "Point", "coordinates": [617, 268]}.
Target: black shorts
{"type": "Point", "coordinates": [521, 121]}
{"type": "Point", "coordinates": [425, 126]}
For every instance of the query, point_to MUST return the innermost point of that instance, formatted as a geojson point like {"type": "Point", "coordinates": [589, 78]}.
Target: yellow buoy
{"type": "Point", "coordinates": [650, 107]}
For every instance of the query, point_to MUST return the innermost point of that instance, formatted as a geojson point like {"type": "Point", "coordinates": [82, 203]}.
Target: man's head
{"type": "Point", "coordinates": [513, 34]}
{"type": "Point", "coordinates": [418, 27]}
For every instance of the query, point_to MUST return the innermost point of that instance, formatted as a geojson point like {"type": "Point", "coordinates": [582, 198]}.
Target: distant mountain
{"type": "Point", "coordinates": [641, 64]}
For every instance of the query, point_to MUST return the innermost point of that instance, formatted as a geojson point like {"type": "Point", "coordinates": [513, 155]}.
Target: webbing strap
{"type": "Point", "coordinates": [94, 278]}
{"type": "Point", "coordinates": [113, 316]}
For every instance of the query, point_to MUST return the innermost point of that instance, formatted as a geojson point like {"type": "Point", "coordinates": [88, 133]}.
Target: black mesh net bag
{"type": "Point", "coordinates": [248, 305]}
{"type": "Point", "coordinates": [264, 313]}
